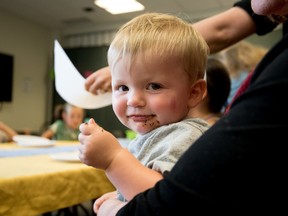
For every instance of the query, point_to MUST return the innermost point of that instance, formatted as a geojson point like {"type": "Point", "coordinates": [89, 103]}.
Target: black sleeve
{"type": "Point", "coordinates": [238, 165]}
{"type": "Point", "coordinates": [263, 24]}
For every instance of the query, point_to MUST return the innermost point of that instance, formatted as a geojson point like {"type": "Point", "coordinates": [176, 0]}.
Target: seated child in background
{"type": "Point", "coordinates": [218, 88]}
{"type": "Point", "coordinates": [157, 65]}
{"type": "Point", "coordinates": [6, 132]}
{"type": "Point", "coordinates": [66, 127]}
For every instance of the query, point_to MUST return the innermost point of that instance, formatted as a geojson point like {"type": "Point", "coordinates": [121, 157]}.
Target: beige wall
{"type": "Point", "coordinates": [32, 48]}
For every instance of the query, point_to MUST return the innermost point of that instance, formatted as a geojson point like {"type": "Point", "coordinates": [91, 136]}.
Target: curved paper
{"type": "Point", "coordinates": [70, 83]}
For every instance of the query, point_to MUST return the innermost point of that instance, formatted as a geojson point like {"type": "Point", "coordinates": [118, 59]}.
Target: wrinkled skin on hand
{"type": "Point", "coordinates": [97, 146]}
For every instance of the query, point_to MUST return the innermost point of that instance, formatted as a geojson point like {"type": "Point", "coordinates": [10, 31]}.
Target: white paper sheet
{"type": "Point", "coordinates": [70, 83]}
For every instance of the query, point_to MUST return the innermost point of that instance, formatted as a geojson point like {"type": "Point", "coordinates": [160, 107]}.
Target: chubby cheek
{"type": "Point", "coordinates": [119, 108]}
{"type": "Point", "coordinates": [171, 110]}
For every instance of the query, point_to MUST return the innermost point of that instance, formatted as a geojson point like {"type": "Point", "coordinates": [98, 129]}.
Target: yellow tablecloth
{"type": "Point", "coordinates": [32, 185]}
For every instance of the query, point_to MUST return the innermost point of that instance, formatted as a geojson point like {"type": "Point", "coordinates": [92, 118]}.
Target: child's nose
{"type": "Point", "coordinates": [136, 99]}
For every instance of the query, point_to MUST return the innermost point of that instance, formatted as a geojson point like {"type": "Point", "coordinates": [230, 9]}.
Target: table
{"type": "Point", "coordinates": [34, 184]}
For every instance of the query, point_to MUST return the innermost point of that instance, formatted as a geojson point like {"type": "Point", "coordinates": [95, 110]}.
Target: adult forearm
{"type": "Point", "coordinates": [225, 29]}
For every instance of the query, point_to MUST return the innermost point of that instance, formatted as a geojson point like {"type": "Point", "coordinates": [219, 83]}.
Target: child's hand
{"type": "Point", "coordinates": [103, 198]}
{"type": "Point", "coordinates": [97, 146]}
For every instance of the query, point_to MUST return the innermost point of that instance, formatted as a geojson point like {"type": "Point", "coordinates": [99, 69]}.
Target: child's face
{"type": "Point", "coordinates": [73, 118]}
{"type": "Point", "coordinates": [151, 94]}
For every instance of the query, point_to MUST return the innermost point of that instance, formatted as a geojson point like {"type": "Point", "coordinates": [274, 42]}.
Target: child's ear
{"type": "Point", "coordinates": [197, 93]}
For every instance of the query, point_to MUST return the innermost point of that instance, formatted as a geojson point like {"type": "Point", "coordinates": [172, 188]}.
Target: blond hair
{"type": "Point", "coordinates": [243, 56]}
{"type": "Point", "coordinates": [157, 35]}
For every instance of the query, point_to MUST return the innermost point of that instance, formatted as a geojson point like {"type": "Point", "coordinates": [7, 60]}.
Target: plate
{"type": "Point", "coordinates": [75, 94]}
{"type": "Point", "coordinates": [66, 156]}
{"type": "Point", "coordinates": [32, 141]}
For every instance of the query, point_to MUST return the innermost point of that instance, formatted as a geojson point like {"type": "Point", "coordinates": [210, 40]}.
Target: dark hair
{"type": "Point", "coordinates": [218, 85]}
{"type": "Point", "coordinates": [58, 110]}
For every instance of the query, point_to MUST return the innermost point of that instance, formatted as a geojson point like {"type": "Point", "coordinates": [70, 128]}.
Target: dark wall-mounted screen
{"type": "Point", "coordinates": [6, 77]}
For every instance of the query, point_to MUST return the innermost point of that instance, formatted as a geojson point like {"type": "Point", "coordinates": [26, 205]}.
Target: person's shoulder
{"type": "Point", "coordinates": [263, 25]}
{"type": "Point", "coordinates": [57, 123]}
{"type": "Point", "coordinates": [195, 122]}
{"type": "Point", "coordinates": [188, 124]}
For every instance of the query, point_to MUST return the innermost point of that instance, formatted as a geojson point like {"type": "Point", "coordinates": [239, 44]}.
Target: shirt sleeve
{"type": "Point", "coordinates": [263, 24]}
{"type": "Point", "coordinates": [54, 126]}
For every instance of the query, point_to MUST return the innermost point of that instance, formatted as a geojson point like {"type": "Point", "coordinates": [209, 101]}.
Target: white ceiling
{"type": "Point", "coordinates": [69, 17]}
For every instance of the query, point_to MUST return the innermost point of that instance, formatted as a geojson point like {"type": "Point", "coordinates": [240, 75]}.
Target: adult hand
{"type": "Point", "coordinates": [102, 199]}
{"type": "Point", "coordinates": [110, 207]}
{"type": "Point", "coordinates": [99, 81]}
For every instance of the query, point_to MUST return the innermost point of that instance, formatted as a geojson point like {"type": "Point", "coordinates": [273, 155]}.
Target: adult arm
{"type": "Point", "coordinates": [233, 25]}
{"type": "Point", "coordinates": [225, 29]}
